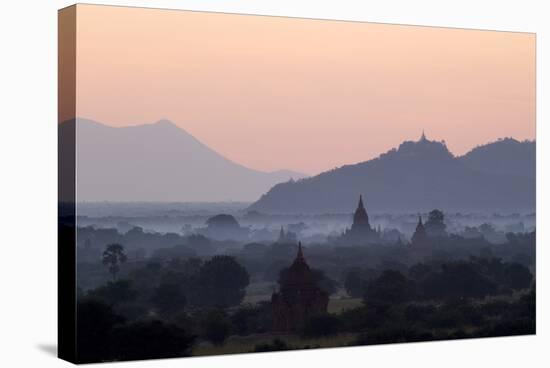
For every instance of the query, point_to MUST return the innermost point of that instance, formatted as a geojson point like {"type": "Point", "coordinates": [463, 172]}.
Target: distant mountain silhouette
{"type": "Point", "coordinates": [417, 176]}
{"type": "Point", "coordinates": [505, 156]}
{"type": "Point", "coordinates": [159, 162]}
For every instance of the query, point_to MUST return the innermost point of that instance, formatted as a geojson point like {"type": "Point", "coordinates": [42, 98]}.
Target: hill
{"type": "Point", "coordinates": [159, 162]}
{"type": "Point", "coordinates": [505, 156]}
{"type": "Point", "coordinates": [416, 176]}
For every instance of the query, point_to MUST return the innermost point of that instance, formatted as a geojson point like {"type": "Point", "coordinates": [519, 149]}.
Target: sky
{"type": "Point", "coordinates": [307, 95]}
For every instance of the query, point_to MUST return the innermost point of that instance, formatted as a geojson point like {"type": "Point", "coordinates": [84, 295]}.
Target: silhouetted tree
{"type": "Point", "coordinates": [222, 281]}
{"type": "Point", "coordinates": [435, 226]}
{"type": "Point", "coordinates": [324, 282]}
{"type": "Point", "coordinates": [250, 318]}
{"type": "Point", "coordinates": [325, 325]}
{"type": "Point", "coordinates": [113, 256]}
{"type": "Point", "coordinates": [460, 279]}
{"type": "Point", "coordinates": [517, 276]}
{"type": "Point", "coordinates": [95, 321]}
{"type": "Point", "coordinates": [275, 345]}
{"type": "Point", "coordinates": [391, 287]}
{"type": "Point", "coordinates": [169, 298]}
{"type": "Point", "coordinates": [419, 271]}
{"type": "Point", "coordinates": [114, 292]}
{"type": "Point", "coordinates": [354, 284]}
{"type": "Point", "coordinates": [215, 326]}
{"type": "Point", "coordinates": [150, 339]}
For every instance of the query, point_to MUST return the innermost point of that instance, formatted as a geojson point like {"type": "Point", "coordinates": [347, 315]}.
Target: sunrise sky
{"type": "Point", "coordinates": [308, 95]}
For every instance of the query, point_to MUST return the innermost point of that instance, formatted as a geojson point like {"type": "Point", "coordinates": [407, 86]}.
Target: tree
{"type": "Point", "coordinates": [222, 282]}
{"type": "Point", "coordinates": [390, 288]}
{"type": "Point", "coordinates": [354, 284]}
{"type": "Point", "coordinates": [249, 319]}
{"type": "Point", "coordinates": [435, 226]}
{"type": "Point", "coordinates": [150, 340]}
{"type": "Point", "coordinates": [459, 279]}
{"type": "Point", "coordinates": [114, 292]}
{"type": "Point", "coordinates": [169, 297]}
{"type": "Point", "coordinates": [95, 321]}
{"type": "Point", "coordinates": [113, 256]}
{"type": "Point", "coordinates": [215, 326]}
{"type": "Point", "coordinates": [275, 345]}
{"type": "Point", "coordinates": [517, 276]}
{"type": "Point", "coordinates": [419, 271]}
{"type": "Point", "coordinates": [324, 282]}
{"type": "Point", "coordinates": [324, 325]}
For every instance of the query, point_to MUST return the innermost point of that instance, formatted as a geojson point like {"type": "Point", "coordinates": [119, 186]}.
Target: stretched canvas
{"type": "Point", "coordinates": [239, 183]}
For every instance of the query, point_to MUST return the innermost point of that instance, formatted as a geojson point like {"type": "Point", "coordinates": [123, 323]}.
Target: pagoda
{"type": "Point", "coordinates": [299, 297]}
{"type": "Point", "coordinates": [361, 231]}
{"type": "Point", "coordinates": [420, 239]}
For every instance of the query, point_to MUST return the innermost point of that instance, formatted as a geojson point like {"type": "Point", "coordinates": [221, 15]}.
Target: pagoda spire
{"type": "Point", "coordinates": [360, 217]}
{"type": "Point", "coordinates": [423, 136]}
{"type": "Point", "coordinates": [419, 238]}
{"type": "Point", "coordinates": [300, 255]}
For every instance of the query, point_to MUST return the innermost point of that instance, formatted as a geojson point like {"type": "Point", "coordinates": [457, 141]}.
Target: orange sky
{"type": "Point", "coordinates": [308, 95]}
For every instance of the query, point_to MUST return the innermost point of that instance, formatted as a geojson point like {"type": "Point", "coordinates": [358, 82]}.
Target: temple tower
{"type": "Point", "coordinates": [420, 237]}
{"type": "Point", "coordinates": [361, 231]}
{"type": "Point", "coordinates": [360, 218]}
{"type": "Point", "coordinates": [299, 297]}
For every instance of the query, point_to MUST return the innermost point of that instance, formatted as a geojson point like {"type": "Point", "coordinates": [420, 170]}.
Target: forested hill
{"type": "Point", "coordinates": [505, 156]}
{"type": "Point", "coordinates": [417, 176]}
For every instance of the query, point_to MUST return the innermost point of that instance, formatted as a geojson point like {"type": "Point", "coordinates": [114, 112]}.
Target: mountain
{"type": "Point", "coordinates": [505, 156]}
{"type": "Point", "coordinates": [159, 162]}
{"type": "Point", "coordinates": [417, 176]}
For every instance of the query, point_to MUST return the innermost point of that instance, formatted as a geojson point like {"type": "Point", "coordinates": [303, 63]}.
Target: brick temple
{"type": "Point", "coordinates": [298, 298]}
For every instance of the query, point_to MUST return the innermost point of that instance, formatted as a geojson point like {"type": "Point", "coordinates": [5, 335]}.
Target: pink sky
{"type": "Point", "coordinates": [308, 95]}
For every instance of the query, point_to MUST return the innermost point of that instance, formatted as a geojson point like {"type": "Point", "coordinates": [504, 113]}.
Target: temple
{"type": "Point", "coordinates": [286, 237]}
{"type": "Point", "coordinates": [298, 299]}
{"type": "Point", "coordinates": [423, 137]}
{"type": "Point", "coordinates": [361, 231]}
{"type": "Point", "coordinates": [419, 239]}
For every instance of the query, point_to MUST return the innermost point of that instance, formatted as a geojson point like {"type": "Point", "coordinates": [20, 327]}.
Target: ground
{"type": "Point", "coordinates": [243, 344]}
{"type": "Point", "coordinates": [261, 291]}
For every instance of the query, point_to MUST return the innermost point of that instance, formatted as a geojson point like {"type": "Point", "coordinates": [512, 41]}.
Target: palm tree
{"type": "Point", "coordinates": [113, 256]}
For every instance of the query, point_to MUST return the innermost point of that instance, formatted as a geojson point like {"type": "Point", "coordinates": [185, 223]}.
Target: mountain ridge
{"type": "Point", "coordinates": [159, 162]}
{"type": "Point", "coordinates": [415, 176]}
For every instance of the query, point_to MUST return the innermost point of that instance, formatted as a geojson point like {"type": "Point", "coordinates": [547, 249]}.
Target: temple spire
{"type": "Point", "coordinates": [300, 255]}
{"type": "Point", "coordinates": [360, 217]}
{"type": "Point", "coordinates": [419, 238]}
{"type": "Point", "coordinates": [423, 136]}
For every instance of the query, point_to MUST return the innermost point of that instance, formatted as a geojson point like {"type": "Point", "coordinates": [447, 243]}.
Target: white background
{"type": "Point", "coordinates": [28, 182]}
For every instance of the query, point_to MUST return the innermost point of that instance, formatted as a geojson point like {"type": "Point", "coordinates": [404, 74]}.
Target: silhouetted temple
{"type": "Point", "coordinates": [286, 237]}
{"type": "Point", "coordinates": [360, 232]}
{"type": "Point", "coordinates": [419, 239]}
{"type": "Point", "coordinates": [298, 298]}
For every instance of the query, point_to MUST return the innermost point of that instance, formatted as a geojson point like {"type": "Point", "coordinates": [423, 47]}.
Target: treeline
{"type": "Point", "coordinates": [167, 309]}
{"type": "Point", "coordinates": [173, 304]}
{"type": "Point", "coordinates": [463, 299]}
{"type": "Point", "coordinates": [165, 288]}
{"type": "Point", "coordinates": [473, 278]}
